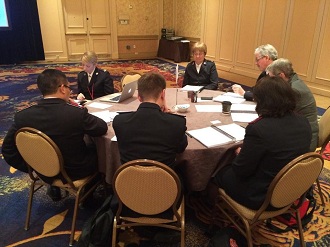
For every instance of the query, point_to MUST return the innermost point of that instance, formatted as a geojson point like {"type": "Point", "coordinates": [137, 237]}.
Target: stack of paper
{"type": "Point", "coordinates": [192, 88]}
{"type": "Point", "coordinates": [234, 130]}
{"type": "Point", "coordinates": [107, 116]}
{"type": "Point", "coordinates": [218, 135]}
{"type": "Point", "coordinates": [234, 98]}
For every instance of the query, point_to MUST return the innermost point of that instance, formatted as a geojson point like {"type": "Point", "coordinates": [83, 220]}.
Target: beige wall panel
{"type": "Point", "coordinates": [100, 44]}
{"type": "Point", "coordinates": [52, 29]}
{"type": "Point", "coordinates": [228, 33]}
{"type": "Point", "coordinates": [168, 14]}
{"type": "Point", "coordinates": [143, 17]}
{"type": "Point", "coordinates": [77, 45]}
{"type": "Point", "coordinates": [140, 47]}
{"type": "Point", "coordinates": [211, 34]}
{"type": "Point", "coordinates": [75, 16]}
{"type": "Point", "coordinates": [273, 28]}
{"type": "Point", "coordinates": [301, 33]}
{"type": "Point", "coordinates": [247, 32]}
{"type": "Point", "coordinates": [323, 64]}
{"type": "Point", "coordinates": [98, 16]}
{"type": "Point", "coordinates": [188, 18]}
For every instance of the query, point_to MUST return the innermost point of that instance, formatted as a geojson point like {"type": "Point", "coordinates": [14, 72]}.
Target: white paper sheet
{"type": "Point", "coordinates": [106, 115]}
{"type": "Point", "coordinates": [244, 107]}
{"type": "Point", "coordinates": [233, 129]}
{"type": "Point", "coordinates": [99, 105]}
{"type": "Point", "coordinates": [209, 108]}
{"type": "Point", "coordinates": [234, 98]}
{"type": "Point", "coordinates": [209, 136]}
{"type": "Point", "coordinates": [191, 88]}
{"type": "Point", "coordinates": [243, 117]}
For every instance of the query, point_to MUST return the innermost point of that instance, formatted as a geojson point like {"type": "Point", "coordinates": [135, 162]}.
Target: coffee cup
{"type": "Point", "coordinates": [226, 106]}
{"type": "Point", "coordinates": [192, 96]}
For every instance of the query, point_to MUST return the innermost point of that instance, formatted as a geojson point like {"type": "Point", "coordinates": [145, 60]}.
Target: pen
{"type": "Point", "coordinates": [188, 135]}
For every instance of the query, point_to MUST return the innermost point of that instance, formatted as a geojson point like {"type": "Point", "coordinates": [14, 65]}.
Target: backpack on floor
{"type": "Point", "coordinates": [306, 211]}
{"type": "Point", "coordinates": [97, 231]}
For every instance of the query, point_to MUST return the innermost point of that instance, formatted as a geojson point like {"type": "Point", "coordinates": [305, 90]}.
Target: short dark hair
{"type": "Point", "coordinates": [150, 85]}
{"type": "Point", "coordinates": [274, 97]}
{"type": "Point", "coordinates": [49, 81]}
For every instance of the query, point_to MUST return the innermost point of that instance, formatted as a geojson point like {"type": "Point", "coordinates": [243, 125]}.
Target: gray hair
{"type": "Point", "coordinates": [267, 50]}
{"type": "Point", "coordinates": [281, 65]}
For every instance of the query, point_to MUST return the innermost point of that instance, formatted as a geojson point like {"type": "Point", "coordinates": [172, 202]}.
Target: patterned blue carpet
{"type": "Point", "coordinates": [51, 221]}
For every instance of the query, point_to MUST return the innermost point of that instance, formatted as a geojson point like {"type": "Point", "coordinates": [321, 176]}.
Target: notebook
{"type": "Point", "coordinates": [128, 92]}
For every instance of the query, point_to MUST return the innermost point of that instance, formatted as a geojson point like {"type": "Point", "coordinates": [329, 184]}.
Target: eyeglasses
{"type": "Point", "coordinates": [257, 59]}
{"type": "Point", "coordinates": [66, 87]}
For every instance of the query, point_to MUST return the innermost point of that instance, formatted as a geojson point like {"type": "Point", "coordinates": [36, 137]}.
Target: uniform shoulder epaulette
{"type": "Point", "coordinates": [256, 120]}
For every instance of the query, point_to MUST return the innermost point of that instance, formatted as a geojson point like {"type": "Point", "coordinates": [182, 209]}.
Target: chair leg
{"type": "Point", "coordinates": [248, 233]}
{"type": "Point", "coordinates": [300, 229]}
{"type": "Point", "coordinates": [114, 232]}
{"type": "Point", "coordinates": [74, 218]}
{"type": "Point", "coordinates": [320, 192]}
{"type": "Point", "coordinates": [28, 213]}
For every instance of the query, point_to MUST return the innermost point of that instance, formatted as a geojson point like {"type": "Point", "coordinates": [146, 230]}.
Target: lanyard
{"type": "Point", "coordinates": [91, 94]}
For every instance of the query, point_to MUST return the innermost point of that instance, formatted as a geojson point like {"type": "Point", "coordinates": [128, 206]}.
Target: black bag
{"type": "Point", "coordinates": [306, 211]}
{"type": "Point", "coordinates": [97, 231]}
{"type": "Point", "coordinates": [227, 237]}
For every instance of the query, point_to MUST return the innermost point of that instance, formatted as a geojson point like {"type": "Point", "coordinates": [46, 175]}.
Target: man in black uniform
{"type": "Point", "coordinates": [150, 132]}
{"type": "Point", "coordinates": [63, 122]}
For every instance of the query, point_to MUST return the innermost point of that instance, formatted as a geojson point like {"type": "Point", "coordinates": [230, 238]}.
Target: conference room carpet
{"type": "Point", "coordinates": [51, 221]}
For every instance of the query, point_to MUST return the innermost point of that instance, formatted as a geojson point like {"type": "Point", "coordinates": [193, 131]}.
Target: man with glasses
{"type": "Point", "coordinates": [201, 72]}
{"type": "Point", "coordinates": [63, 122]}
{"type": "Point", "coordinates": [306, 104]}
{"type": "Point", "coordinates": [264, 56]}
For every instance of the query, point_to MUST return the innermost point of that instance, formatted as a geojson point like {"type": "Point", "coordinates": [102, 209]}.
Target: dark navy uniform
{"type": "Point", "coordinates": [66, 125]}
{"type": "Point", "coordinates": [207, 76]}
{"type": "Point", "coordinates": [150, 133]}
{"type": "Point", "coordinates": [269, 144]}
{"type": "Point", "coordinates": [100, 84]}
{"type": "Point", "coordinates": [248, 95]}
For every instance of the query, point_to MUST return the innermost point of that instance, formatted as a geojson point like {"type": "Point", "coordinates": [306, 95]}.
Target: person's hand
{"type": "Point", "coordinates": [72, 102]}
{"type": "Point", "coordinates": [80, 96]}
{"type": "Point", "coordinates": [237, 150]}
{"type": "Point", "coordinates": [238, 89]}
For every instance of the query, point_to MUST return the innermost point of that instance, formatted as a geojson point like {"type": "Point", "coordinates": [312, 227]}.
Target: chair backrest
{"type": "Point", "coordinates": [294, 179]}
{"type": "Point", "coordinates": [39, 151]}
{"type": "Point", "coordinates": [147, 187]}
{"type": "Point", "coordinates": [324, 129]}
{"type": "Point", "coordinates": [129, 78]}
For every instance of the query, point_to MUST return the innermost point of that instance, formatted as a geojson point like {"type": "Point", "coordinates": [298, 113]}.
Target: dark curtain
{"type": "Point", "coordinates": [23, 42]}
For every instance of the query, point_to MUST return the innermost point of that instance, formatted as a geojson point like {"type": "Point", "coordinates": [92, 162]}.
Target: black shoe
{"type": "Point", "coordinates": [54, 193]}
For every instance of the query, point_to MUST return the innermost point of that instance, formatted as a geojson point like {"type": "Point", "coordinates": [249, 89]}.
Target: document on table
{"type": "Point", "coordinates": [210, 137]}
{"type": "Point", "coordinates": [99, 105]}
{"type": "Point", "coordinates": [233, 129]}
{"type": "Point", "coordinates": [192, 88]}
{"type": "Point", "coordinates": [234, 98]}
{"type": "Point", "coordinates": [208, 108]}
{"type": "Point", "coordinates": [243, 108]}
{"type": "Point", "coordinates": [106, 115]}
{"type": "Point", "coordinates": [243, 117]}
